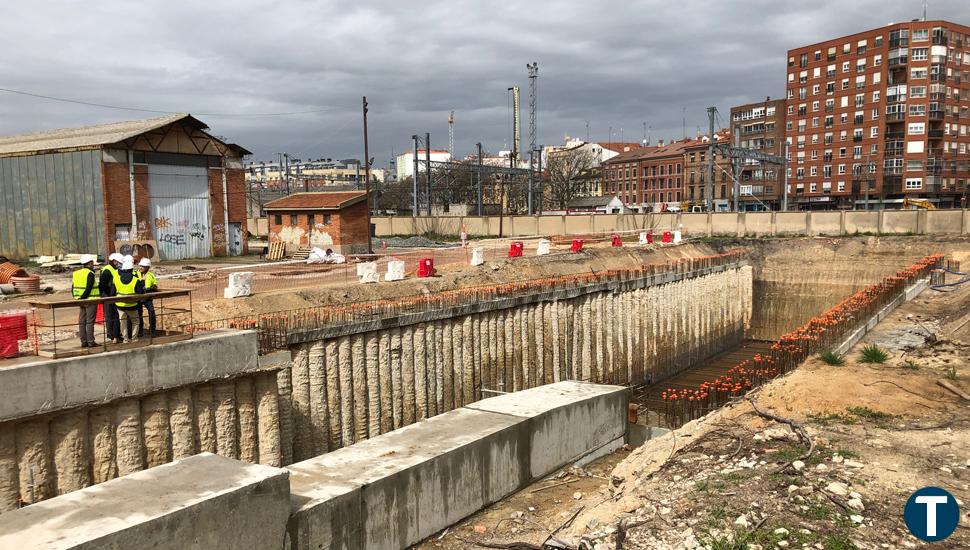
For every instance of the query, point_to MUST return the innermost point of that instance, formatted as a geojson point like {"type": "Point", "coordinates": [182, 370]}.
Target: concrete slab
{"type": "Point", "coordinates": [50, 385]}
{"type": "Point", "coordinates": [201, 502]}
{"type": "Point", "coordinates": [567, 420]}
{"type": "Point", "coordinates": [396, 489]}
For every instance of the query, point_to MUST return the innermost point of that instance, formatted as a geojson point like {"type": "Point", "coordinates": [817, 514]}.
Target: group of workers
{"type": "Point", "coordinates": [118, 278]}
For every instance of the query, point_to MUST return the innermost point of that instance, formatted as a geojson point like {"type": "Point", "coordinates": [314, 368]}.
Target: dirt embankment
{"type": "Point", "coordinates": [448, 278]}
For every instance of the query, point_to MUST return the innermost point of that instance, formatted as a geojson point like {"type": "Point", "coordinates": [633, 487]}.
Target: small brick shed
{"type": "Point", "coordinates": [335, 219]}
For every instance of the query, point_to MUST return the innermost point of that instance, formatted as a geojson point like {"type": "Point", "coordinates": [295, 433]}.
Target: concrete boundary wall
{"type": "Point", "coordinates": [394, 490]}
{"type": "Point", "coordinates": [858, 334]}
{"type": "Point", "coordinates": [198, 503]}
{"type": "Point", "coordinates": [735, 224]}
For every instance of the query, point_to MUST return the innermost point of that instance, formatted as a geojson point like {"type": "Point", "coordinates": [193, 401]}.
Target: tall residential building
{"type": "Point", "coordinates": [698, 170]}
{"type": "Point", "coordinates": [885, 109]}
{"type": "Point", "coordinates": [405, 161]}
{"type": "Point", "coordinates": [760, 127]}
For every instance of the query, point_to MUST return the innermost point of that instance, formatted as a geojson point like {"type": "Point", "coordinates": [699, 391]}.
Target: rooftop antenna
{"type": "Point", "coordinates": [684, 120]}
{"type": "Point", "coordinates": [587, 131]}
{"type": "Point", "coordinates": [925, 2]}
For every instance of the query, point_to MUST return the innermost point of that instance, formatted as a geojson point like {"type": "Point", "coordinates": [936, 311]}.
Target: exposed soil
{"type": "Point", "coordinates": [731, 480]}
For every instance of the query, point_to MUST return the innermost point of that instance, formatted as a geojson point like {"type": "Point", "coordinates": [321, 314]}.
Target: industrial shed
{"type": "Point", "coordinates": [82, 190]}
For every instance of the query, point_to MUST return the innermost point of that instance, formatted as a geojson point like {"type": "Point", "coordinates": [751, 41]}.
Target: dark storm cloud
{"type": "Point", "coordinates": [614, 64]}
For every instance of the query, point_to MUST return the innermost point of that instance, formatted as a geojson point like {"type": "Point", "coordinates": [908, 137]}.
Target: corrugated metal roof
{"type": "Point", "coordinates": [329, 200]}
{"type": "Point", "coordinates": [88, 136]}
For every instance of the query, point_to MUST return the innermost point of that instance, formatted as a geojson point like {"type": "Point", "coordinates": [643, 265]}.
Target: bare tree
{"type": "Point", "coordinates": [568, 174]}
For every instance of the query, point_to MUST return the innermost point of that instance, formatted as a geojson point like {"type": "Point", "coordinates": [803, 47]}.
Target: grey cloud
{"type": "Point", "coordinates": [614, 64]}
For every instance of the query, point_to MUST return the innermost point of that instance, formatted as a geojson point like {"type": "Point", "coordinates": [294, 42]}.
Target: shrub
{"type": "Point", "coordinates": [872, 353]}
{"type": "Point", "coordinates": [832, 358]}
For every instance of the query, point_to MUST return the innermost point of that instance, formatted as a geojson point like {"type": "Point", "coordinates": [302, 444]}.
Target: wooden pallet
{"type": "Point", "coordinates": [276, 251]}
{"type": "Point", "coordinates": [302, 254]}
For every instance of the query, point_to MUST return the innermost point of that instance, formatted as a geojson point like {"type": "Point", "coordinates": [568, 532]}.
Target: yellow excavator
{"type": "Point", "coordinates": [915, 204]}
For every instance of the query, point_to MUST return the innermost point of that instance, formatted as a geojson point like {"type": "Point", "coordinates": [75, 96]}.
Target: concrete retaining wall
{"type": "Point", "coordinates": [348, 384]}
{"type": "Point", "coordinates": [845, 222]}
{"type": "Point", "coordinates": [202, 502]}
{"type": "Point", "coordinates": [394, 490]}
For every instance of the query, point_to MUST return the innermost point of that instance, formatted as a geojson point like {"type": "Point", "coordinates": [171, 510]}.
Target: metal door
{"type": "Point", "coordinates": [179, 203]}
{"type": "Point", "coordinates": [235, 239]}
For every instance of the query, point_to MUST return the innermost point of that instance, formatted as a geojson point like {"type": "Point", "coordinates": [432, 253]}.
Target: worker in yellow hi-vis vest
{"type": "Point", "coordinates": [151, 285]}
{"type": "Point", "coordinates": [84, 286]}
{"type": "Point", "coordinates": [128, 283]}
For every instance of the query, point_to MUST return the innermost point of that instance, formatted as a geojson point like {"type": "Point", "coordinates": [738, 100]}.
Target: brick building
{"type": "Point", "coordinates": [697, 171]}
{"type": "Point", "coordinates": [885, 109]}
{"type": "Point", "coordinates": [82, 190]}
{"type": "Point", "coordinates": [760, 127]}
{"type": "Point", "coordinates": [336, 220]}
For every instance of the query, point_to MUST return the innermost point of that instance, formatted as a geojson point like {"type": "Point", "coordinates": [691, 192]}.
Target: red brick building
{"type": "Point", "coordinates": [760, 126]}
{"type": "Point", "coordinates": [885, 109]}
{"type": "Point", "coordinates": [336, 220]}
{"type": "Point", "coordinates": [82, 190]}
{"type": "Point", "coordinates": [648, 177]}
{"type": "Point", "coordinates": [697, 170]}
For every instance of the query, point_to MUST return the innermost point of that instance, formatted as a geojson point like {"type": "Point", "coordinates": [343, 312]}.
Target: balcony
{"type": "Point", "coordinates": [936, 115]}
{"type": "Point", "coordinates": [936, 134]}
{"type": "Point", "coordinates": [938, 77]}
{"type": "Point", "coordinates": [829, 109]}
{"type": "Point", "coordinates": [896, 117]}
{"type": "Point", "coordinates": [857, 138]}
{"type": "Point", "coordinates": [939, 40]}
{"type": "Point", "coordinates": [895, 135]}
{"type": "Point", "coordinates": [898, 42]}
{"type": "Point", "coordinates": [896, 98]}
{"type": "Point", "coordinates": [900, 61]}
{"type": "Point", "coordinates": [892, 185]}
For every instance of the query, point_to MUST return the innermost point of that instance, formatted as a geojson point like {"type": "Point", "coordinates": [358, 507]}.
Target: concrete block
{"type": "Point", "coordinates": [240, 284]}
{"type": "Point", "coordinates": [407, 484]}
{"type": "Point", "coordinates": [201, 502]}
{"type": "Point", "coordinates": [567, 420]}
{"type": "Point", "coordinates": [50, 385]}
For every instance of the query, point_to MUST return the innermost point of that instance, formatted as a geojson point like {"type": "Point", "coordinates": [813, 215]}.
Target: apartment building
{"type": "Point", "coordinates": [881, 113]}
{"type": "Point", "coordinates": [698, 169]}
{"type": "Point", "coordinates": [760, 127]}
{"type": "Point", "coordinates": [648, 177]}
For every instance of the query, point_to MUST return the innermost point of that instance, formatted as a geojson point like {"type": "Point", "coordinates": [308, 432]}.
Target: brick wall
{"type": "Point", "coordinates": [117, 200]}
{"type": "Point", "coordinates": [346, 231]}
{"type": "Point", "coordinates": [216, 213]}
{"type": "Point", "coordinates": [236, 184]}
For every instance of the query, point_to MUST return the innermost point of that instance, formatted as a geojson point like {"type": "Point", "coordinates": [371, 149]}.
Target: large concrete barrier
{"type": "Point", "coordinates": [50, 385]}
{"type": "Point", "coordinates": [843, 222]}
{"type": "Point", "coordinates": [394, 490]}
{"type": "Point", "coordinates": [201, 502]}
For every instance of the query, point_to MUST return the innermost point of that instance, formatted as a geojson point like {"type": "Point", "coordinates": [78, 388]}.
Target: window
{"type": "Point", "coordinates": [920, 54]}
{"type": "Point", "coordinates": [813, 171]}
{"type": "Point", "coordinates": [292, 219]}
{"type": "Point", "coordinates": [815, 89]}
{"type": "Point", "coordinates": [830, 88]}
{"type": "Point", "coordinates": [921, 35]}
{"type": "Point", "coordinates": [875, 97]}
{"type": "Point", "coordinates": [814, 155]}
{"type": "Point", "coordinates": [877, 60]}
{"type": "Point", "coordinates": [916, 128]}
{"type": "Point", "coordinates": [914, 166]}
{"type": "Point", "coordinates": [841, 169]}
{"type": "Point", "coordinates": [914, 183]}
{"type": "Point", "coordinates": [917, 92]}
{"type": "Point", "coordinates": [857, 152]}
{"type": "Point", "coordinates": [841, 186]}
{"type": "Point", "coordinates": [815, 106]}
{"type": "Point", "coordinates": [812, 187]}
{"type": "Point", "coordinates": [875, 113]}
{"type": "Point", "coordinates": [278, 219]}
{"type": "Point", "coordinates": [826, 171]}
{"type": "Point", "coordinates": [845, 83]}
{"type": "Point", "coordinates": [874, 131]}
{"type": "Point", "coordinates": [830, 72]}
{"type": "Point", "coordinates": [917, 110]}
{"type": "Point", "coordinates": [917, 72]}
{"type": "Point", "coordinates": [845, 66]}
{"type": "Point", "coordinates": [860, 100]}
{"type": "Point", "coordinates": [310, 220]}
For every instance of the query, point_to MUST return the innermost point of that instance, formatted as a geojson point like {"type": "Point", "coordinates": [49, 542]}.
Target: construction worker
{"type": "Point", "coordinates": [112, 327]}
{"type": "Point", "coordinates": [83, 286]}
{"type": "Point", "coordinates": [151, 285]}
{"type": "Point", "coordinates": [128, 283]}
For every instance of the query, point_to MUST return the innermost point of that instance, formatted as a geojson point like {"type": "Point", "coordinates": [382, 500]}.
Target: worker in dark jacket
{"type": "Point", "coordinates": [82, 288]}
{"type": "Point", "coordinates": [112, 328]}
{"type": "Point", "coordinates": [127, 282]}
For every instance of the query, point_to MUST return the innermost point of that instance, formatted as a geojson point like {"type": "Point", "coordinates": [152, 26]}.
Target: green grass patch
{"type": "Point", "coordinates": [832, 358]}
{"type": "Point", "coordinates": [832, 418]}
{"type": "Point", "coordinates": [950, 373]}
{"type": "Point", "coordinates": [909, 364]}
{"type": "Point", "coordinates": [869, 414]}
{"type": "Point", "coordinates": [872, 353]}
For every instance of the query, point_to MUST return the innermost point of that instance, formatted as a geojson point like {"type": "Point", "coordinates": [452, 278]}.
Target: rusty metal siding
{"type": "Point", "coordinates": [51, 204]}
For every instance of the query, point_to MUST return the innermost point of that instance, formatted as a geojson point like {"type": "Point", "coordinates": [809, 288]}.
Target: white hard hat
{"type": "Point", "coordinates": [115, 257]}
{"type": "Point", "coordinates": [129, 263]}
{"type": "Point", "coordinates": [145, 262]}
{"type": "Point", "coordinates": [85, 258]}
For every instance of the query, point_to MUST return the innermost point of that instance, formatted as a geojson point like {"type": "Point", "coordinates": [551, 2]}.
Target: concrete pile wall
{"type": "Point", "coordinates": [154, 406]}
{"type": "Point", "coordinates": [351, 387]}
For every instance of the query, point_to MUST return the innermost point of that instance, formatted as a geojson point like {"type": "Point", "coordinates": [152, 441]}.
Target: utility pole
{"type": "Point", "coordinates": [587, 131]}
{"type": "Point", "coordinates": [451, 135]}
{"type": "Point", "coordinates": [479, 146]}
{"type": "Point", "coordinates": [367, 175]}
{"type": "Point", "coordinates": [540, 177]}
{"type": "Point", "coordinates": [414, 176]}
{"type": "Point", "coordinates": [286, 157]}
{"type": "Point", "coordinates": [711, 111]}
{"type": "Point", "coordinates": [533, 79]}
{"type": "Point", "coordinates": [427, 167]}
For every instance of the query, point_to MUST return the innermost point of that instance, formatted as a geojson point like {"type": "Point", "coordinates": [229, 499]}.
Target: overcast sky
{"type": "Point", "coordinates": [616, 64]}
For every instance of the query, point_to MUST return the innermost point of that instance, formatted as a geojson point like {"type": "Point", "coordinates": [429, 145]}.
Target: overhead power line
{"type": "Point", "coordinates": [121, 108]}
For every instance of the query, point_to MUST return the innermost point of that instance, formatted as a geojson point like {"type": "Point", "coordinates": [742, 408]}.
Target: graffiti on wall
{"type": "Point", "coordinates": [172, 238]}
{"type": "Point", "coordinates": [218, 235]}
{"type": "Point", "coordinates": [197, 231]}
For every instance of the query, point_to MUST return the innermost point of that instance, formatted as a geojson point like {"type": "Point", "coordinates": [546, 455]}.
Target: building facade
{"type": "Point", "coordinates": [335, 220]}
{"type": "Point", "coordinates": [760, 127]}
{"type": "Point", "coordinates": [698, 170]}
{"type": "Point", "coordinates": [881, 113]}
{"type": "Point", "coordinates": [310, 175]}
{"type": "Point", "coordinates": [649, 178]}
{"type": "Point", "coordinates": [404, 163]}
{"type": "Point", "coordinates": [99, 189]}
